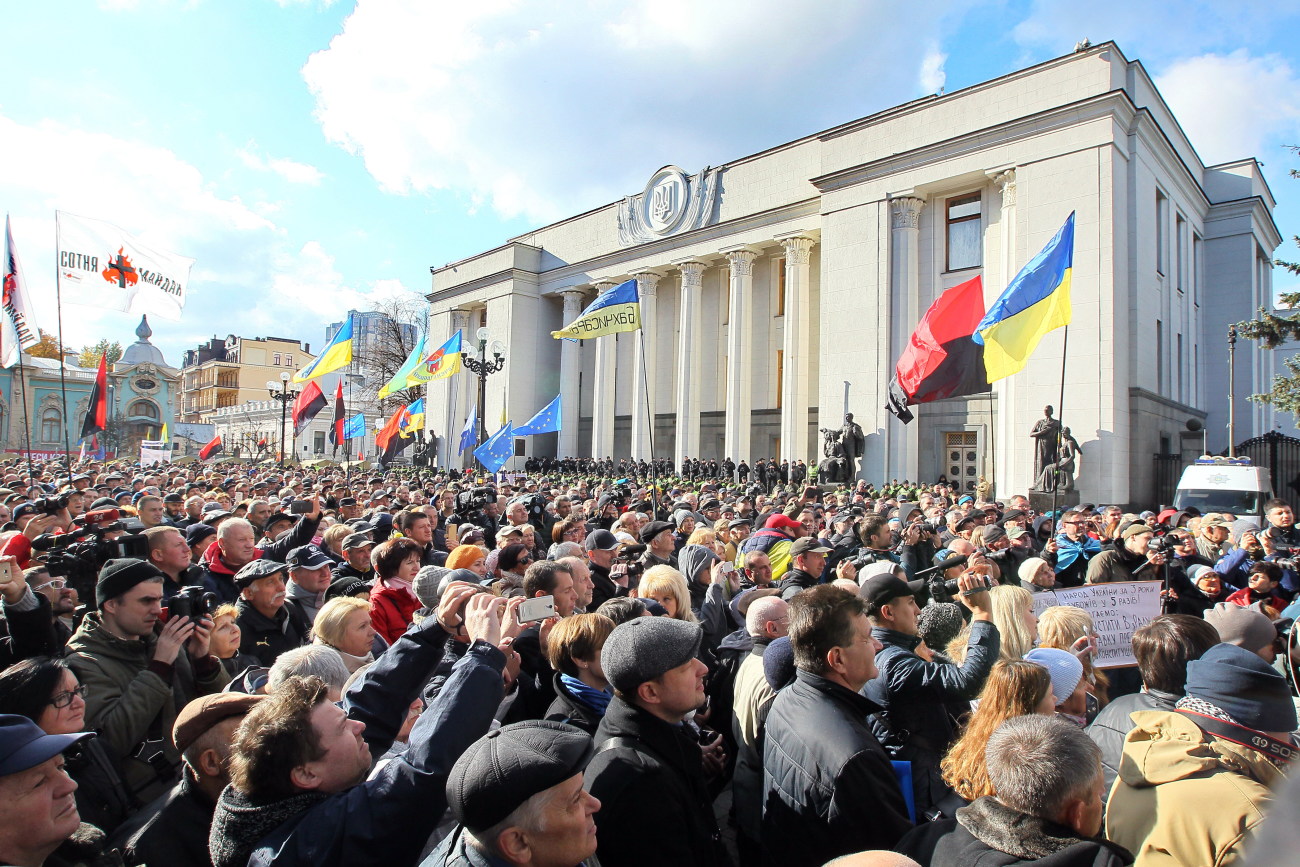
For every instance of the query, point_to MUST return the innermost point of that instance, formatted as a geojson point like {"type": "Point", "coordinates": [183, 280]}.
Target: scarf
{"type": "Point", "coordinates": [239, 825]}
{"type": "Point", "coordinates": [352, 663]}
{"type": "Point", "coordinates": [403, 585]}
{"type": "Point", "coordinates": [596, 699]}
{"type": "Point", "coordinates": [1068, 550]}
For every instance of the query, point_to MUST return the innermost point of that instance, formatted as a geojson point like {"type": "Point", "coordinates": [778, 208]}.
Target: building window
{"type": "Point", "coordinates": [318, 442]}
{"type": "Point", "coordinates": [1180, 264]}
{"type": "Point", "coordinates": [1179, 362]}
{"type": "Point", "coordinates": [1162, 216]}
{"type": "Point", "coordinates": [726, 295]}
{"type": "Point", "coordinates": [276, 363]}
{"type": "Point", "coordinates": [1160, 357]}
{"type": "Point", "coordinates": [780, 375]}
{"type": "Point", "coordinates": [51, 421]}
{"type": "Point", "coordinates": [143, 409]}
{"type": "Point", "coordinates": [779, 282]}
{"type": "Point", "coordinates": [965, 234]}
{"type": "Point", "coordinates": [288, 361]}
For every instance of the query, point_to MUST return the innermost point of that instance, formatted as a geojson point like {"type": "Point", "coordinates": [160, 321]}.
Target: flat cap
{"type": "Point", "coordinates": [206, 711]}
{"type": "Point", "coordinates": [654, 528]}
{"type": "Point", "coordinates": [645, 648]}
{"type": "Point", "coordinates": [357, 540]}
{"type": "Point", "coordinates": [263, 568]}
{"type": "Point", "coordinates": [506, 767]}
{"type": "Point", "coordinates": [808, 545]}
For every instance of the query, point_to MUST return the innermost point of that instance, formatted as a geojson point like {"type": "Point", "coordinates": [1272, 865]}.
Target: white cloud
{"type": "Point", "coordinates": [543, 109]}
{"type": "Point", "coordinates": [932, 76]}
{"type": "Point", "coordinates": [1233, 106]}
{"type": "Point", "coordinates": [292, 171]}
{"type": "Point", "coordinates": [248, 278]}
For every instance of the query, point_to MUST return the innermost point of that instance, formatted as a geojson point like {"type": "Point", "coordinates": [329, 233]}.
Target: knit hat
{"type": "Point", "coordinates": [348, 585]}
{"type": "Point", "coordinates": [1064, 668]}
{"type": "Point", "coordinates": [427, 585]}
{"type": "Point", "coordinates": [463, 556]}
{"type": "Point", "coordinates": [504, 768]}
{"type": "Point", "coordinates": [196, 533]}
{"type": "Point", "coordinates": [778, 663]}
{"type": "Point", "coordinates": [646, 648]}
{"type": "Point", "coordinates": [1244, 686]}
{"type": "Point", "coordinates": [1135, 529]}
{"type": "Point", "coordinates": [1243, 627]}
{"type": "Point", "coordinates": [120, 575]}
{"type": "Point", "coordinates": [1029, 568]}
{"type": "Point", "coordinates": [938, 624]}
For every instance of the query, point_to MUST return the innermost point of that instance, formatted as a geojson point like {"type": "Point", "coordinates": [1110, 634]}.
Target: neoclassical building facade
{"type": "Point", "coordinates": [778, 290]}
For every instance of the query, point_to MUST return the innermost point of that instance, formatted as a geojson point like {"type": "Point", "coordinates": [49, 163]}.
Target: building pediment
{"type": "Point", "coordinates": [671, 203]}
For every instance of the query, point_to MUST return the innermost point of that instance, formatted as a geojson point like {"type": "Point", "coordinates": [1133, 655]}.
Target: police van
{"type": "Point", "coordinates": [1231, 485]}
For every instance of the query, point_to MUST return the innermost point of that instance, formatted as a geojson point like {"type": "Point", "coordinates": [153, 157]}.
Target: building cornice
{"type": "Point", "coordinates": [1145, 394]}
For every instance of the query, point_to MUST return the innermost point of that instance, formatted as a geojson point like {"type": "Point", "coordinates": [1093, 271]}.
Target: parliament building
{"type": "Point", "coordinates": [778, 291]}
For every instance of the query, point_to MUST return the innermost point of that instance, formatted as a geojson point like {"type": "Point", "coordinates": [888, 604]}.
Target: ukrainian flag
{"type": "Point", "coordinates": [442, 362]}
{"type": "Point", "coordinates": [401, 379]}
{"type": "Point", "coordinates": [337, 354]}
{"type": "Point", "coordinates": [614, 310]}
{"type": "Point", "coordinates": [1036, 302]}
{"type": "Point", "coordinates": [412, 418]}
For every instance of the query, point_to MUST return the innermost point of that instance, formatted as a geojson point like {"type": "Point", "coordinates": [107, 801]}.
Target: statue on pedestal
{"type": "Point", "coordinates": [832, 468]}
{"type": "Point", "coordinates": [1045, 433]}
{"type": "Point", "coordinates": [851, 441]}
{"type": "Point", "coordinates": [1061, 472]}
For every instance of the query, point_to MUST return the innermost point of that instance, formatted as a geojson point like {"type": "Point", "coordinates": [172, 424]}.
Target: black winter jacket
{"type": "Point", "coordinates": [266, 637]}
{"type": "Point", "coordinates": [829, 787]}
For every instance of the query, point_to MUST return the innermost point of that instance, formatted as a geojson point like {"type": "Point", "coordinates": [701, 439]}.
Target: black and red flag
{"type": "Point", "coordinates": [212, 448]}
{"type": "Point", "coordinates": [336, 429]}
{"type": "Point", "coordinates": [941, 360]}
{"type": "Point", "coordinates": [310, 402]}
{"type": "Point", "coordinates": [97, 416]}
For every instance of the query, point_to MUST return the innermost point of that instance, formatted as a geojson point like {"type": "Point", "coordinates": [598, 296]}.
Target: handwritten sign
{"type": "Point", "coordinates": [1118, 609]}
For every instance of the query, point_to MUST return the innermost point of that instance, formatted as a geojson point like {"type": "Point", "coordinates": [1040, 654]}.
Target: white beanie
{"type": "Point", "coordinates": [1064, 668]}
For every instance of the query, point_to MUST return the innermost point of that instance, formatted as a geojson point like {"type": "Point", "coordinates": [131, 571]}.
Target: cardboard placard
{"type": "Point", "coordinates": [1118, 609]}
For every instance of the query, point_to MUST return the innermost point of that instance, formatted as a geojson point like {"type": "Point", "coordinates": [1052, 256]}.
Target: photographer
{"type": "Point", "coordinates": [1132, 559]}
{"type": "Point", "coordinates": [602, 549]}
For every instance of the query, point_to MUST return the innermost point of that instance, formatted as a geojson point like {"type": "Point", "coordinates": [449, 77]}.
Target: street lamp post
{"type": "Point", "coordinates": [482, 368]}
{"type": "Point", "coordinates": [280, 391]}
{"type": "Point", "coordinates": [1232, 391]}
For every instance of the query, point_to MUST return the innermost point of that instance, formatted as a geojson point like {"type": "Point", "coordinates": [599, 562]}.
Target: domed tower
{"type": "Point", "coordinates": [144, 389]}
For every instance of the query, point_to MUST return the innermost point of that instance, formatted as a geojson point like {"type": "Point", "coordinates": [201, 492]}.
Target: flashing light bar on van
{"type": "Point", "coordinates": [1220, 461]}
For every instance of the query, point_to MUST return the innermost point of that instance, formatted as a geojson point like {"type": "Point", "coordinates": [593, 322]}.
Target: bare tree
{"type": "Point", "coordinates": [392, 338]}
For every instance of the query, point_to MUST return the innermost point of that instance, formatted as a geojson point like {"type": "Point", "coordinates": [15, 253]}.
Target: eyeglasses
{"type": "Point", "coordinates": [64, 699]}
{"type": "Point", "coordinates": [56, 583]}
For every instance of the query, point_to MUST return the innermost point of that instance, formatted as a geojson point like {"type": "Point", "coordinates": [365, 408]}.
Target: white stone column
{"type": "Point", "coordinates": [795, 349]}
{"type": "Point", "coordinates": [570, 368]}
{"type": "Point", "coordinates": [643, 365]}
{"type": "Point", "coordinates": [1007, 481]}
{"type": "Point", "coordinates": [905, 290]}
{"type": "Point", "coordinates": [736, 442]}
{"type": "Point", "coordinates": [688, 361]}
{"type": "Point", "coordinates": [456, 386]}
{"type": "Point", "coordinates": [602, 405]}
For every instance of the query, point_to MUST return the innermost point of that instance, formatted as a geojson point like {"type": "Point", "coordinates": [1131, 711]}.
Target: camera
{"type": "Point", "coordinates": [51, 505]}
{"type": "Point", "coordinates": [470, 502]}
{"type": "Point", "coordinates": [951, 589]}
{"type": "Point", "coordinates": [1285, 557]}
{"type": "Point", "coordinates": [1162, 545]}
{"type": "Point", "coordinates": [192, 602]}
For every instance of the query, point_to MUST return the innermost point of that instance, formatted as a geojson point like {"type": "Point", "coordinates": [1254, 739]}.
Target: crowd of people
{"type": "Point", "coordinates": [231, 665]}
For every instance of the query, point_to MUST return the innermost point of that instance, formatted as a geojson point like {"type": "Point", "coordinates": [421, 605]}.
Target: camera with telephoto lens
{"type": "Point", "coordinates": [1165, 545]}
{"type": "Point", "coordinates": [51, 505]}
{"type": "Point", "coordinates": [192, 602]}
{"type": "Point", "coordinates": [1285, 557]}
{"type": "Point", "coordinates": [470, 503]}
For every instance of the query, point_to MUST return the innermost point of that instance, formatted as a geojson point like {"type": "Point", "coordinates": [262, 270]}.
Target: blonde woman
{"type": "Point", "coordinates": [1013, 614]}
{"type": "Point", "coordinates": [708, 537]}
{"type": "Point", "coordinates": [667, 586]}
{"type": "Point", "coordinates": [332, 540]}
{"type": "Point", "coordinates": [1071, 629]}
{"type": "Point", "coordinates": [344, 625]}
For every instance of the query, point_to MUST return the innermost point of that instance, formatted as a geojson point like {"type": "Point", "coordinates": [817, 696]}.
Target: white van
{"type": "Point", "coordinates": [1231, 485]}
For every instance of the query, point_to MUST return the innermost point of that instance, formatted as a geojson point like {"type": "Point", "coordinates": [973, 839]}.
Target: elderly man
{"type": "Point", "coordinates": [356, 557]}
{"type": "Point", "coordinates": [309, 579]}
{"type": "Point", "coordinates": [40, 811]}
{"type": "Point", "coordinates": [268, 624]}
{"type": "Point", "coordinates": [1129, 560]}
{"type": "Point", "coordinates": [1047, 810]}
{"type": "Point", "coordinates": [766, 620]}
{"type": "Point", "coordinates": [518, 798]}
{"type": "Point", "coordinates": [829, 787]}
{"type": "Point", "coordinates": [235, 547]}
{"type": "Point", "coordinates": [661, 547]}
{"type": "Point", "coordinates": [602, 548]}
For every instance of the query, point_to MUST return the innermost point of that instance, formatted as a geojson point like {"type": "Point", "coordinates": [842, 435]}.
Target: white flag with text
{"type": "Point", "coordinates": [102, 266]}
{"type": "Point", "coordinates": [17, 324]}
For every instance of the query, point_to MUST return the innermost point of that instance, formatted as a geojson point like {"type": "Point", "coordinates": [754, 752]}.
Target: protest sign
{"type": "Point", "coordinates": [1118, 609]}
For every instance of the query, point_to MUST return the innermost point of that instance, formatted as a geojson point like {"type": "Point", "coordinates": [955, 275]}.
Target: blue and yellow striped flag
{"type": "Point", "coordinates": [337, 354]}
{"type": "Point", "coordinates": [401, 379]}
{"type": "Point", "coordinates": [614, 310]}
{"type": "Point", "coordinates": [442, 362]}
{"type": "Point", "coordinates": [1036, 302]}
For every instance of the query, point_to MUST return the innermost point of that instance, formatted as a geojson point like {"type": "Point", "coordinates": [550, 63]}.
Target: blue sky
{"type": "Point", "coordinates": [315, 156]}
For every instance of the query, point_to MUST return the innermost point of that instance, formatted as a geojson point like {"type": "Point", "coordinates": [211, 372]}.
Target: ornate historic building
{"type": "Point", "coordinates": [143, 391]}
{"type": "Point", "coordinates": [778, 290]}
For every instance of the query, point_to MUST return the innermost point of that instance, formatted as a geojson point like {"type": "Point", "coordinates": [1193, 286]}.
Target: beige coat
{"type": "Point", "coordinates": [1184, 797]}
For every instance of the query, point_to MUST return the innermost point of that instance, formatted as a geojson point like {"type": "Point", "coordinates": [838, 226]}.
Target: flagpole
{"type": "Point", "coordinates": [63, 381]}
{"type": "Point", "coordinates": [993, 439]}
{"type": "Point", "coordinates": [650, 423]}
{"type": "Point", "coordinates": [27, 425]}
{"type": "Point", "coordinates": [1060, 429]}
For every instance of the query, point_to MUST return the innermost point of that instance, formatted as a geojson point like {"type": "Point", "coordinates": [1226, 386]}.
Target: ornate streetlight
{"type": "Point", "coordinates": [280, 391]}
{"type": "Point", "coordinates": [482, 368]}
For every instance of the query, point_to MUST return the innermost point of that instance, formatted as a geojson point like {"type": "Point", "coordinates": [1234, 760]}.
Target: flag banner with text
{"type": "Point", "coordinates": [102, 266]}
{"type": "Point", "coordinates": [17, 324]}
{"type": "Point", "coordinates": [614, 310]}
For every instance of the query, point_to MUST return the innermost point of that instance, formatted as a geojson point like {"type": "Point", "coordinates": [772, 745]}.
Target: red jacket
{"type": "Point", "coordinates": [390, 610]}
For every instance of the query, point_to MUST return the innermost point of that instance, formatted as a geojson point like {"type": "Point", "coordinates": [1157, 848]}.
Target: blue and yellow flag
{"type": "Point", "coordinates": [337, 354]}
{"type": "Point", "coordinates": [1036, 302]}
{"type": "Point", "coordinates": [412, 418]}
{"type": "Point", "coordinates": [614, 310]}
{"type": "Point", "coordinates": [401, 379]}
{"type": "Point", "coordinates": [442, 362]}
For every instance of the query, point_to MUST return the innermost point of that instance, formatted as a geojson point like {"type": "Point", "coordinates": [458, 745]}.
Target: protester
{"type": "Point", "coordinates": [582, 692]}
{"type": "Point", "coordinates": [269, 624]}
{"type": "Point", "coordinates": [1069, 628]}
{"type": "Point", "coordinates": [345, 625]}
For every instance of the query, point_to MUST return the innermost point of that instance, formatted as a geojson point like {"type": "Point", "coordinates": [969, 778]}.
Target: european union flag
{"type": "Point", "coordinates": [496, 449]}
{"type": "Point", "coordinates": [355, 427]}
{"type": "Point", "coordinates": [547, 420]}
{"type": "Point", "coordinates": [468, 432]}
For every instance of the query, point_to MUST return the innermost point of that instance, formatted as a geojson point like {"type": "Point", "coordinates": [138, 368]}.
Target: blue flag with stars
{"type": "Point", "coordinates": [547, 420]}
{"type": "Point", "coordinates": [355, 427]}
{"type": "Point", "coordinates": [496, 449]}
{"type": "Point", "coordinates": [468, 432]}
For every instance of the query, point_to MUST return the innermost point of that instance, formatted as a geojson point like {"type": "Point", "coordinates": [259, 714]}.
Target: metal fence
{"type": "Point", "coordinates": [1168, 470]}
{"type": "Point", "coordinates": [1281, 455]}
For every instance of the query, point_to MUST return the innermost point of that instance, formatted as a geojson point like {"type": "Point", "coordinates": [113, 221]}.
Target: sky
{"type": "Point", "coordinates": [316, 156]}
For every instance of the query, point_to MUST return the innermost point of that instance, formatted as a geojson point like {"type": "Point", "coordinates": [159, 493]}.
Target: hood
{"type": "Point", "coordinates": [740, 640]}
{"type": "Point", "coordinates": [1165, 746]}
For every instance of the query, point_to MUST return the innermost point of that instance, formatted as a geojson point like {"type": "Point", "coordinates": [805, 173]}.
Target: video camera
{"type": "Point", "coordinates": [79, 554]}
{"type": "Point", "coordinates": [626, 563]}
{"type": "Point", "coordinates": [470, 503]}
{"type": "Point", "coordinates": [51, 505]}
